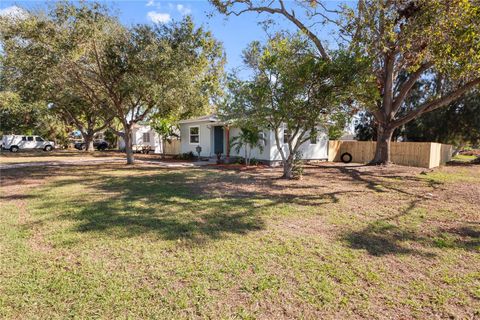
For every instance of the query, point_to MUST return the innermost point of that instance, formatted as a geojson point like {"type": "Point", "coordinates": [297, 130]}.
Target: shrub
{"type": "Point", "coordinates": [185, 156]}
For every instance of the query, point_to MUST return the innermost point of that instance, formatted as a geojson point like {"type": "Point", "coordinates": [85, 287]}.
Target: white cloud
{"type": "Point", "coordinates": [13, 12]}
{"type": "Point", "coordinates": [158, 17]}
{"type": "Point", "coordinates": [150, 3]}
{"type": "Point", "coordinates": [183, 9]}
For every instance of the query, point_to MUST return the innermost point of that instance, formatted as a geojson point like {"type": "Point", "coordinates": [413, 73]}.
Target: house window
{"type": "Point", "coordinates": [194, 135]}
{"type": "Point", "coordinates": [313, 137]}
{"type": "Point", "coordinates": [286, 135]}
{"type": "Point", "coordinates": [263, 141]}
{"type": "Point", "coordinates": [146, 137]}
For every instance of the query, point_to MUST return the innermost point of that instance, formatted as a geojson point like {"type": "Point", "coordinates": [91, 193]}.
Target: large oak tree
{"type": "Point", "coordinates": [405, 37]}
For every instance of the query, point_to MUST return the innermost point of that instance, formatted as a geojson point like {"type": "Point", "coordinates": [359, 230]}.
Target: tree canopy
{"type": "Point", "coordinates": [405, 42]}
{"type": "Point", "coordinates": [84, 54]}
{"type": "Point", "coordinates": [291, 89]}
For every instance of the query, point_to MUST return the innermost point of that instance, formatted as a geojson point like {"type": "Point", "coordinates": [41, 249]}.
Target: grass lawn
{"type": "Point", "coordinates": [464, 158]}
{"type": "Point", "coordinates": [111, 241]}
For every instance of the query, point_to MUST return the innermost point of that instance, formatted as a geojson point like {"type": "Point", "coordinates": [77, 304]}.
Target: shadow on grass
{"type": "Point", "coordinates": [381, 238]}
{"type": "Point", "coordinates": [171, 204]}
{"type": "Point", "coordinates": [376, 181]}
{"type": "Point", "coordinates": [384, 237]}
{"type": "Point", "coordinates": [180, 204]}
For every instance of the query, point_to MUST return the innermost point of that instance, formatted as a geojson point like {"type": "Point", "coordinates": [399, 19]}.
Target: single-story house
{"type": "Point", "coordinates": [143, 135]}
{"type": "Point", "coordinates": [214, 136]}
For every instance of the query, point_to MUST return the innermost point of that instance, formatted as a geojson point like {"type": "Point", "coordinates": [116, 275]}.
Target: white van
{"type": "Point", "coordinates": [18, 142]}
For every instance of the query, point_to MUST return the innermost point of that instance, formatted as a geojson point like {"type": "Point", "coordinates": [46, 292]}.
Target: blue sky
{"type": "Point", "coordinates": [234, 32]}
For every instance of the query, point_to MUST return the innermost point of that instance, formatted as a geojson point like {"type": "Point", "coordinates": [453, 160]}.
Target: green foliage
{"type": "Point", "coordinates": [444, 33]}
{"type": "Point", "coordinates": [18, 117]}
{"type": "Point", "coordinates": [291, 88]}
{"type": "Point", "coordinates": [402, 41]}
{"type": "Point", "coordinates": [408, 42]}
{"type": "Point", "coordinates": [165, 127]}
{"type": "Point", "coordinates": [79, 58]}
{"type": "Point", "coordinates": [110, 137]}
{"type": "Point", "coordinates": [249, 138]}
{"type": "Point", "coordinates": [39, 62]}
{"type": "Point", "coordinates": [185, 156]}
{"type": "Point", "coordinates": [457, 124]}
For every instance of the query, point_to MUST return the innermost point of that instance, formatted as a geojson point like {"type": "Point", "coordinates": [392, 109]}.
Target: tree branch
{"type": "Point", "coordinates": [435, 104]}
{"type": "Point", "coordinates": [289, 15]}
{"type": "Point", "coordinates": [407, 86]}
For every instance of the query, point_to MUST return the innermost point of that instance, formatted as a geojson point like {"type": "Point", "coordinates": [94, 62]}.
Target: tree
{"type": "Point", "coordinates": [87, 119]}
{"type": "Point", "coordinates": [17, 117]}
{"type": "Point", "coordinates": [38, 64]}
{"type": "Point", "coordinates": [409, 41]}
{"type": "Point", "coordinates": [125, 73]}
{"type": "Point", "coordinates": [414, 38]}
{"type": "Point", "coordinates": [292, 92]}
{"type": "Point", "coordinates": [163, 70]}
{"type": "Point", "coordinates": [249, 139]}
{"type": "Point", "coordinates": [457, 124]}
{"type": "Point", "coordinates": [166, 129]}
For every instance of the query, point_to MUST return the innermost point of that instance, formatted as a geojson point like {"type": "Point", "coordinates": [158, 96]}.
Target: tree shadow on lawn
{"type": "Point", "coordinates": [178, 204]}
{"type": "Point", "coordinates": [377, 181]}
{"type": "Point", "coordinates": [173, 205]}
{"type": "Point", "coordinates": [384, 237]}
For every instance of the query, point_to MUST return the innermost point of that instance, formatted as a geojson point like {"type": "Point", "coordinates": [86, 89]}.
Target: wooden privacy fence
{"type": "Point", "coordinates": [415, 154]}
{"type": "Point", "coordinates": [172, 147]}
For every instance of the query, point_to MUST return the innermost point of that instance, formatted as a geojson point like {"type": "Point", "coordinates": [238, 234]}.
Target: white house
{"type": "Point", "coordinates": [213, 136]}
{"type": "Point", "coordinates": [143, 135]}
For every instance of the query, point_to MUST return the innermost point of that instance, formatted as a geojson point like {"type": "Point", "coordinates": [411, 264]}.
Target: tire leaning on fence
{"type": "Point", "coordinates": [346, 157]}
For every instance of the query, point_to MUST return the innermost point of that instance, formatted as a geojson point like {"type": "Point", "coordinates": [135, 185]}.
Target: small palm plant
{"type": "Point", "coordinates": [249, 139]}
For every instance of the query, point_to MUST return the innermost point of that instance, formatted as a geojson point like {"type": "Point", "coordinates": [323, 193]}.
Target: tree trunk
{"type": "Point", "coordinates": [128, 145]}
{"type": "Point", "coordinates": [288, 168]}
{"type": "Point", "coordinates": [382, 152]}
{"type": "Point", "coordinates": [88, 140]}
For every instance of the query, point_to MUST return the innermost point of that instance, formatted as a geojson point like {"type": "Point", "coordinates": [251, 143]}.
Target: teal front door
{"type": "Point", "coordinates": [218, 139]}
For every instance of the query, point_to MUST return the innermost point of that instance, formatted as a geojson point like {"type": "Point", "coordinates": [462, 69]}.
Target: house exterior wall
{"type": "Point", "coordinates": [205, 139]}
{"type": "Point", "coordinates": [270, 153]}
{"type": "Point", "coordinates": [137, 139]}
{"type": "Point", "coordinates": [255, 153]}
{"type": "Point", "coordinates": [318, 151]}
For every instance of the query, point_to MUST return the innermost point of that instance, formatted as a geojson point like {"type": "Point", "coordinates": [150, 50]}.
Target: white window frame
{"type": "Point", "coordinates": [263, 138]}
{"type": "Point", "coordinates": [146, 134]}
{"type": "Point", "coordinates": [190, 135]}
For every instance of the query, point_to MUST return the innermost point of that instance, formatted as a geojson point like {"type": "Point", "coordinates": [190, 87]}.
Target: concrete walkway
{"type": "Point", "coordinates": [79, 162]}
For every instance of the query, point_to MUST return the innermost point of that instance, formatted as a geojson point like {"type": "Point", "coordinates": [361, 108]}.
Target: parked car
{"type": "Point", "coordinates": [14, 143]}
{"type": "Point", "coordinates": [98, 144]}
